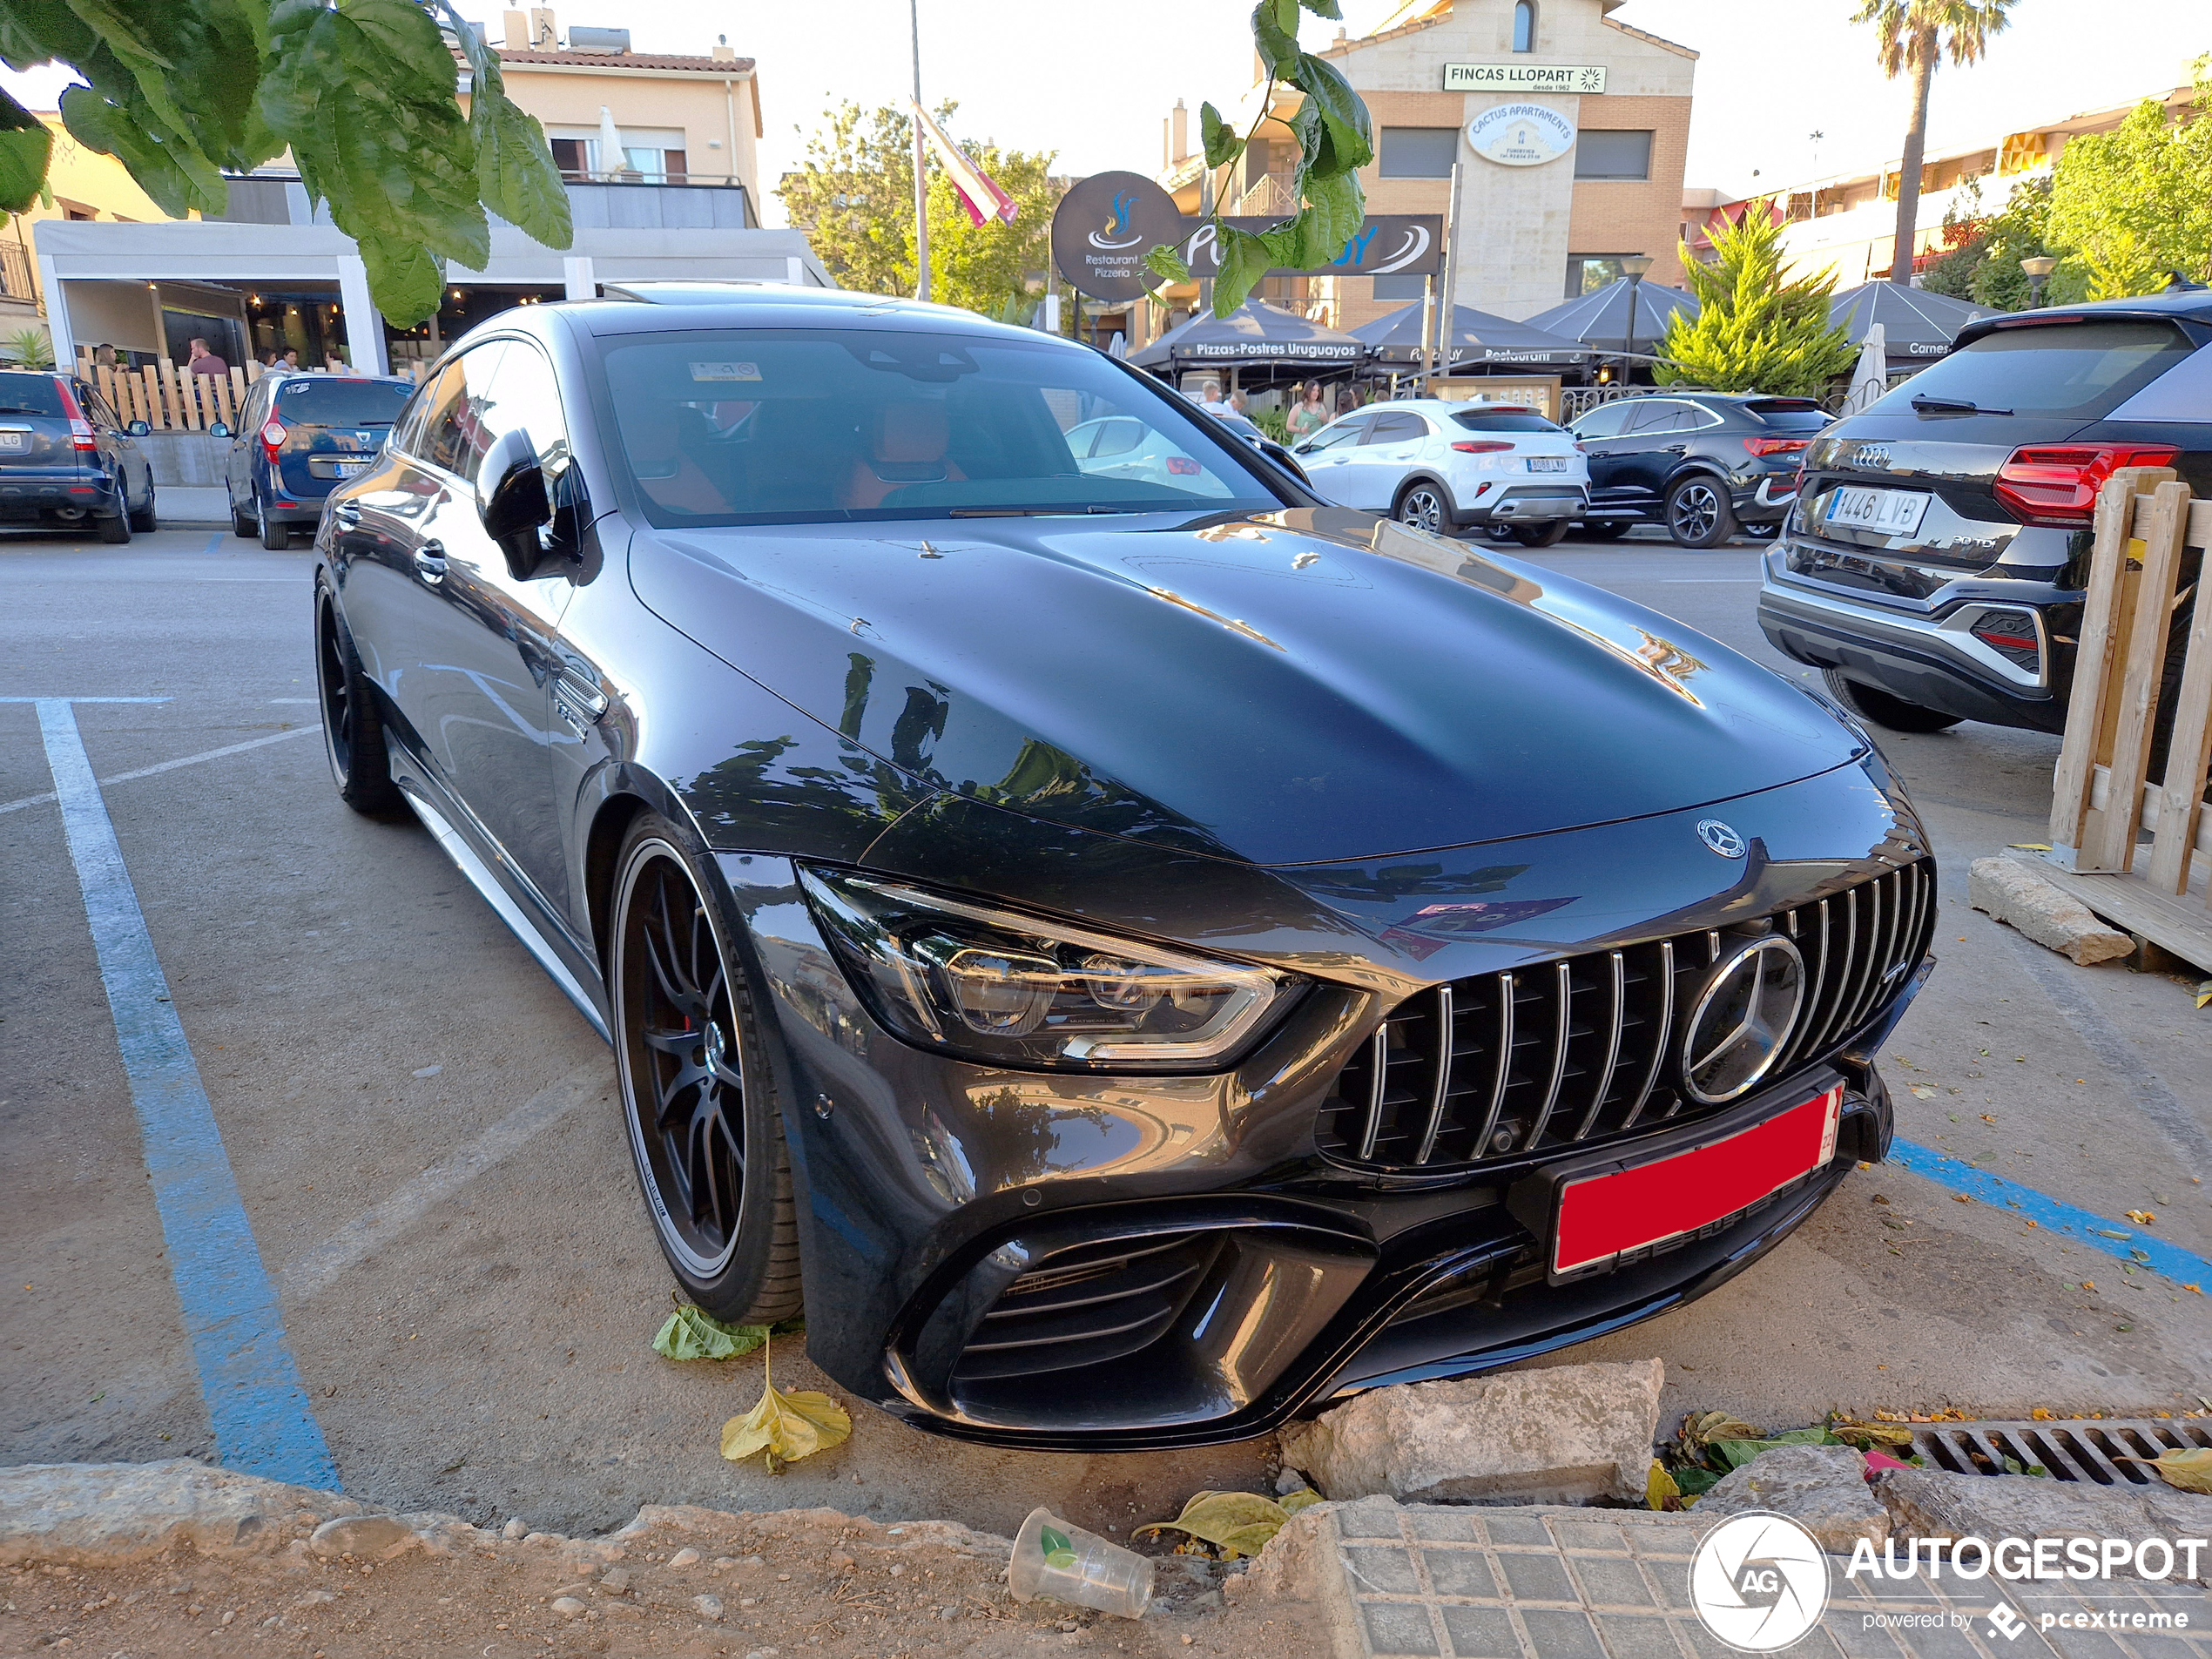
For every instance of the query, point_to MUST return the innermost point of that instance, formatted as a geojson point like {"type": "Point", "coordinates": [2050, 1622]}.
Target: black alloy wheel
{"type": "Point", "coordinates": [1546, 534]}
{"type": "Point", "coordinates": [275, 533]}
{"type": "Point", "coordinates": [1698, 513]}
{"type": "Point", "coordinates": [142, 519]}
{"type": "Point", "coordinates": [704, 1128]}
{"type": "Point", "coordinates": [1884, 710]}
{"type": "Point", "coordinates": [1422, 506]}
{"type": "Point", "coordinates": [352, 725]}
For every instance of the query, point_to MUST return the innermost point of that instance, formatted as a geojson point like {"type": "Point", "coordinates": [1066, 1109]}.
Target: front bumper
{"type": "Point", "coordinates": [1255, 1273]}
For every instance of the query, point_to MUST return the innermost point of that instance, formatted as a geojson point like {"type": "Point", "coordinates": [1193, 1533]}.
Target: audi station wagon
{"type": "Point", "coordinates": [1131, 952]}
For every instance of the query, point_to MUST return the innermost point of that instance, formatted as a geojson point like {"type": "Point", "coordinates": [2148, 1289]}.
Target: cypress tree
{"type": "Point", "coordinates": [1754, 330]}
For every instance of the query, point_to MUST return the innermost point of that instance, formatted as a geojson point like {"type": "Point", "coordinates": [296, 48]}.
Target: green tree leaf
{"type": "Point", "coordinates": [693, 1333]}
{"type": "Point", "coordinates": [1223, 144]}
{"type": "Point", "coordinates": [1164, 261]}
{"type": "Point", "coordinates": [1350, 136]}
{"type": "Point", "coordinates": [25, 146]}
{"type": "Point", "coordinates": [403, 276]}
{"type": "Point", "coordinates": [1275, 35]}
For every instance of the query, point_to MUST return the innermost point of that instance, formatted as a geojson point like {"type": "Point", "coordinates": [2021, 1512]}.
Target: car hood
{"type": "Point", "coordinates": [1296, 687]}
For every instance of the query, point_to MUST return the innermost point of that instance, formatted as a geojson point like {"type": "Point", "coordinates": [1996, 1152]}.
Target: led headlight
{"type": "Point", "coordinates": [1007, 989]}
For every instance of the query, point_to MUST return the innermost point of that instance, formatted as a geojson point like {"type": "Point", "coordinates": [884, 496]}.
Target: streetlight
{"type": "Point", "coordinates": [1633, 266]}
{"type": "Point", "coordinates": [2039, 268]}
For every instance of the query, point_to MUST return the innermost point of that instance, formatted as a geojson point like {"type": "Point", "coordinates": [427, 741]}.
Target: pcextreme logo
{"type": "Point", "coordinates": [1759, 1583]}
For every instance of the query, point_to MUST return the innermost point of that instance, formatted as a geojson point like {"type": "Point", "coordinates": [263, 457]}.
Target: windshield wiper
{"type": "Point", "coordinates": [1951, 406]}
{"type": "Point", "coordinates": [1044, 512]}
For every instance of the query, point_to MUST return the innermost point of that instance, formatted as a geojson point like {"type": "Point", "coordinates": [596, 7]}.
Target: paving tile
{"type": "Point", "coordinates": [1481, 1633]}
{"type": "Point", "coordinates": [1398, 1627]}
{"type": "Point", "coordinates": [1368, 1518]}
{"type": "Point", "coordinates": [1377, 1569]}
{"type": "Point", "coordinates": [2083, 1644]}
{"type": "Point", "coordinates": [1584, 1534]}
{"type": "Point", "coordinates": [1638, 1636]}
{"type": "Point", "coordinates": [1505, 1527]}
{"type": "Point", "coordinates": [1460, 1572]}
{"type": "Point", "coordinates": [1848, 1628]}
{"type": "Point", "coordinates": [1560, 1635]}
{"type": "Point", "coordinates": [1533, 1577]}
{"type": "Point", "coordinates": [1608, 1581]}
{"type": "Point", "coordinates": [1435, 1524]}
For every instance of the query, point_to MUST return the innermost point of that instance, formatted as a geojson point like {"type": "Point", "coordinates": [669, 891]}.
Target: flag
{"type": "Point", "coordinates": [979, 191]}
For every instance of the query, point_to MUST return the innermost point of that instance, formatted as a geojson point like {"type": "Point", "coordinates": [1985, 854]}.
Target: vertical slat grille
{"type": "Point", "coordinates": [1581, 1050]}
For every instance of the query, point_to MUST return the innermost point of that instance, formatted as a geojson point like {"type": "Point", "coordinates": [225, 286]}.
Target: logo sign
{"type": "Point", "coordinates": [1387, 244]}
{"type": "Point", "coordinates": [1524, 77]}
{"type": "Point", "coordinates": [1105, 226]}
{"type": "Point", "coordinates": [1741, 1019]}
{"type": "Point", "coordinates": [1758, 1583]}
{"type": "Point", "coordinates": [1521, 134]}
{"type": "Point", "coordinates": [1722, 838]}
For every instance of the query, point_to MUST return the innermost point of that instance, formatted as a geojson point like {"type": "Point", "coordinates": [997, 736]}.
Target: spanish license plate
{"type": "Point", "coordinates": [16, 440]}
{"type": "Point", "coordinates": [348, 468]}
{"type": "Point", "coordinates": [1615, 1207]}
{"type": "Point", "coordinates": [1547, 463]}
{"type": "Point", "coordinates": [1886, 512]}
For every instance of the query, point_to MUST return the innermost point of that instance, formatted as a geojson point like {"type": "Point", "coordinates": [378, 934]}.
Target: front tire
{"type": "Point", "coordinates": [1549, 534]}
{"type": "Point", "coordinates": [704, 1129]}
{"type": "Point", "coordinates": [1698, 514]}
{"type": "Point", "coordinates": [1893, 713]}
{"type": "Point", "coordinates": [143, 520]}
{"type": "Point", "coordinates": [1421, 504]}
{"type": "Point", "coordinates": [352, 725]}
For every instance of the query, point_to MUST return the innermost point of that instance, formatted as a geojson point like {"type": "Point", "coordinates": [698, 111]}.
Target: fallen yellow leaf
{"type": "Point", "coordinates": [2142, 1217]}
{"type": "Point", "coordinates": [786, 1427]}
{"type": "Point", "coordinates": [1237, 1522]}
{"type": "Point", "coordinates": [2041, 1415]}
{"type": "Point", "coordinates": [1660, 1491]}
{"type": "Point", "coordinates": [2186, 1471]}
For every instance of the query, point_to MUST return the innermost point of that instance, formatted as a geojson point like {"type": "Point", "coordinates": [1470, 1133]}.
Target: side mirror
{"type": "Point", "coordinates": [140, 429]}
{"type": "Point", "coordinates": [517, 504]}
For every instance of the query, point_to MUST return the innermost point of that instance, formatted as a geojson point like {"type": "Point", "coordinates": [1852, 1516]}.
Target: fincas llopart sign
{"type": "Point", "coordinates": [1524, 77]}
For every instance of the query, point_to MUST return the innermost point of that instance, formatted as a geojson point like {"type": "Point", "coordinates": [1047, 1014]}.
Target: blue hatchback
{"type": "Point", "coordinates": [298, 436]}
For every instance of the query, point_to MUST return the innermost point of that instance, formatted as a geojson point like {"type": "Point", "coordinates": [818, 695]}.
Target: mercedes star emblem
{"type": "Point", "coordinates": [1741, 1019]}
{"type": "Point", "coordinates": [1720, 838]}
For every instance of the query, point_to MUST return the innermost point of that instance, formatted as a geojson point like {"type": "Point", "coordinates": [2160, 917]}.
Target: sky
{"type": "Point", "coordinates": [1093, 83]}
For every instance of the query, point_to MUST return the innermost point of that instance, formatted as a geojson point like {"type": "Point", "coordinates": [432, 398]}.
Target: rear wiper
{"type": "Point", "coordinates": [1951, 406]}
{"type": "Point", "coordinates": [22, 408]}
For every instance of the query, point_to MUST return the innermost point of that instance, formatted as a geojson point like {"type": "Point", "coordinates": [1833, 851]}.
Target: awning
{"type": "Point", "coordinates": [1256, 333]}
{"type": "Point", "coordinates": [1478, 340]}
{"type": "Point", "coordinates": [1918, 324]}
{"type": "Point", "coordinates": [1600, 320]}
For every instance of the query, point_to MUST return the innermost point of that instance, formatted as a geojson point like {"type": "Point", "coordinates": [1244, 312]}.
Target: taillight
{"type": "Point", "coordinates": [1183, 466]}
{"type": "Point", "coordinates": [272, 434]}
{"type": "Point", "coordinates": [2057, 483]}
{"type": "Point", "coordinates": [1776, 446]}
{"type": "Point", "coordinates": [1481, 448]}
{"type": "Point", "coordinates": [80, 429]}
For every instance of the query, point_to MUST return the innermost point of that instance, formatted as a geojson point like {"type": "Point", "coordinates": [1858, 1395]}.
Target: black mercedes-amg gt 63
{"type": "Point", "coordinates": [1132, 950]}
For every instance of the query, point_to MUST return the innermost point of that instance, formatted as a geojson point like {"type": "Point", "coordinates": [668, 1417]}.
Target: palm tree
{"type": "Point", "coordinates": [1914, 34]}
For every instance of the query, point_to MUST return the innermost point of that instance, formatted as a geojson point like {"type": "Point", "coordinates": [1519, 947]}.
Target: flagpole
{"type": "Point", "coordinates": [921, 178]}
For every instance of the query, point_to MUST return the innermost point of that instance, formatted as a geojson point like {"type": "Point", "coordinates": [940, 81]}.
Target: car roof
{"type": "Point", "coordinates": [659, 308]}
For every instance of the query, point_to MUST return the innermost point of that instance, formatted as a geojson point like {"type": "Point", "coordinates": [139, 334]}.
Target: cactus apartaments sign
{"type": "Point", "coordinates": [1524, 77]}
{"type": "Point", "coordinates": [1521, 134]}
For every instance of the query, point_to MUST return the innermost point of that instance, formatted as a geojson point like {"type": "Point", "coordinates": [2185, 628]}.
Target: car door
{"type": "Point", "coordinates": [238, 477]}
{"type": "Point", "coordinates": [118, 455]}
{"type": "Point", "coordinates": [137, 473]}
{"type": "Point", "coordinates": [1377, 463]}
{"type": "Point", "coordinates": [1323, 455]}
{"type": "Point", "coordinates": [1605, 434]}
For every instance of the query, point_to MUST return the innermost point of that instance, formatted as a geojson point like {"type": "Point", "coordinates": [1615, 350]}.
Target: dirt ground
{"type": "Point", "coordinates": [688, 1583]}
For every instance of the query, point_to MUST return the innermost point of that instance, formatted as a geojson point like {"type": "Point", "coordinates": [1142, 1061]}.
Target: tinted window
{"type": "Point", "coordinates": [1789, 414]}
{"type": "Point", "coordinates": [2075, 371]}
{"type": "Point", "coordinates": [1118, 438]}
{"type": "Point", "coordinates": [1419, 152]}
{"type": "Point", "coordinates": [522, 393]}
{"type": "Point", "coordinates": [1397, 428]}
{"type": "Point", "coordinates": [786, 425]}
{"type": "Point", "coordinates": [432, 412]}
{"type": "Point", "coordinates": [1612, 155]}
{"type": "Point", "coordinates": [1655, 415]}
{"type": "Point", "coordinates": [1501, 420]}
{"type": "Point", "coordinates": [1330, 437]}
{"type": "Point", "coordinates": [336, 400]}
{"type": "Point", "coordinates": [2183, 393]}
{"type": "Point", "coordinates": [455, 433]}
{"type": "Point", "coordinates": [1604, 421]}
{"type": "Point", "coordinates": [30, 395]}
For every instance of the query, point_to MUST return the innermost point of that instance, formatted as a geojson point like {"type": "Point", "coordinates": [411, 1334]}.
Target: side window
{"type": "Point", "coordinates": [99, 407]}
{"type": "Point", "coordinates": [454, 434]}
{"type": "Point", "coordinates": [1335, 437]}
{"type": "Point", "coordinates": [429, 410]}
{"type": "Point", "coordinates": [1118, 438]}
{"type": "Point", "coordinates": [1603, 421]}
{"type": "Point", "coordinates": [521, 394]}
{"type": "Point", "coordinates": [1397, 428]}
{"type": "Point", "coordinates": [1653, 414]}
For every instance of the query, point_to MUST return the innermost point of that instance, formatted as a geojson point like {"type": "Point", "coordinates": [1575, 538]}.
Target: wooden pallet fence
{"type": "Point", "coordinates": [2147, 562]}
{"type": "Point", "coordinates": [166, 397]}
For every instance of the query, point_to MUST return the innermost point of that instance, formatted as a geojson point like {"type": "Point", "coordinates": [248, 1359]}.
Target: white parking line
{"type": "Point", "coordinates": [171, 765]}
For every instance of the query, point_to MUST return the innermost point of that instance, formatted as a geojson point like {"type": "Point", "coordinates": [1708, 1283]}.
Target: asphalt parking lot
{"type": "Point", "coordinates": [425, 1142]}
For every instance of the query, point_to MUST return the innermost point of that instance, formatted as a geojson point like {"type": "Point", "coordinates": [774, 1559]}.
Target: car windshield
{"type": "Point", "coordinates": [22, 393]}
{"type": "Point", "coordinates": [1501, 420]}
{"type": "Point", "coordinates": [2078, 371]}
{"type": "Point", "coordinates": [796, 426]}
{"type": "Point", "coordinates": [331, 399]}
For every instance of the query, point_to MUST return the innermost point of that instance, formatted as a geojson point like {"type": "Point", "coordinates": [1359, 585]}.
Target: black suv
{"type": "Point", "coordinates": [67, 459]}
{"type": "Point", "coordinates": [1935, 561]}
{"type": "Point", "coordinates": [1703, 463]}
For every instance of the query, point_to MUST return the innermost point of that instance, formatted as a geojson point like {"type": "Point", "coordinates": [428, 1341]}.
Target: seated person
{"type": "Point", "coordinates": [904, 444]}
{"type": "Point", "coordinates": [667, 475]}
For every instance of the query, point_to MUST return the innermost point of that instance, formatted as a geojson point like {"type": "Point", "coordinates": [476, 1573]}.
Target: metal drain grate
{"type": "Point", "coordinates": [2086, 1449]}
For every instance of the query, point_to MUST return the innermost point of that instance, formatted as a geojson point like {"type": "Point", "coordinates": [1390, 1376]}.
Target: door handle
{"type": "Point", "coordinates": [1676, 449]}
{"type": "Point", "coordinates": [346, 515]}
{"type": "Point", "coordinates": [430, 561]}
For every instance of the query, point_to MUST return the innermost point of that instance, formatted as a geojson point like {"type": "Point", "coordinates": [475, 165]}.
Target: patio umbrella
{"type": "Point", "coordinates": [1477, 337]}
{"type": "Point", "coordinates": [1255, 335]}
{"type": "Point", "coordinates": [1916, 324]}
{"type": "Point", "coordinates": [1599, 318]}
{"type": "Point", "coordinates": [1871, 378]}
{"type": "Point", "coordinates": [612, 161]}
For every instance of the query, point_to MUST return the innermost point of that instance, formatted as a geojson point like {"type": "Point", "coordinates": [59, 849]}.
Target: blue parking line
{"type": "Point", "coordinates": [2123, 1240]}
{"type": "Point", "coordinates": [256, 1402]}
{"type": "Point", "coordinates": [215, 544]}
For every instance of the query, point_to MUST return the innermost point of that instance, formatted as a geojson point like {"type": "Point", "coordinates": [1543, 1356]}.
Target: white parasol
{"type": "Point", "coordinates": [1871, 378]}
{"type": "Point", "coordinates": [612, 161]}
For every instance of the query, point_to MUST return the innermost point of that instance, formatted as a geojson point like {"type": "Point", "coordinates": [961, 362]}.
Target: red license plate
{"type": "Point", "coordinates": [1602, 1215]}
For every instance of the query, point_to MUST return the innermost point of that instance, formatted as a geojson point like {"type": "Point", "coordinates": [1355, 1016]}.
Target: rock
{"type": "Point", "coordinates": [1289, 1482]}
{"type": "Point", "coordinates": [1821, 1487]}
{"type": "Point", "coordinates": [2012, 892]}
{"type": "Point", "coordinates": [615, 1579]}
{"type": "Point", "coordinates": [1935, 1503]}
{"type": "Point", "coordinates": [515, 1530]}
{"type": "Point", "coordinates": [568, 1607]}
{"type": "Point", "coordinates": [365, 1538]}
{"type": "Point", "coordinates": [104, 1514]}
{"type": "Point", "coordinates": [1287, 1568]}
{"type": "Point", "coordinates": [1563, 1435]}
{"type": "Point", "coordinates": [710, 1607]}
{"type": "Point", "coordinates": [684, 1557]}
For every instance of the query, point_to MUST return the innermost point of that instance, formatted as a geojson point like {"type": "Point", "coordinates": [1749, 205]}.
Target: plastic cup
{"type": "Point", "coordinates": [1059, 1562]}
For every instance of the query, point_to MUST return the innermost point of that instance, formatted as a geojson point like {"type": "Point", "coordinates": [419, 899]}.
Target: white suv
{"type": "Point", "coordinates": [1443, 466]}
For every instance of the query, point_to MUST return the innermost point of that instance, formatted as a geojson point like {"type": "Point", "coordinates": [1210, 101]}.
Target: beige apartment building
{"type": "Point", "coordinates": [1567, 129]}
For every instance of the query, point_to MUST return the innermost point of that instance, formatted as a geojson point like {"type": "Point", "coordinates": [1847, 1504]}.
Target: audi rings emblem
{"type": "Point", "coordinates": [1741, 1019]}
{"type": "Point", "coordinates": [1871, 457]}
{"type": "Point", "coordinates": [1720, 838]}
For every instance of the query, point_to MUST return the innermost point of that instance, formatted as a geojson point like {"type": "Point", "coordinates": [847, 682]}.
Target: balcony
{"type": "Point", "coordinates": [698, 202]}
